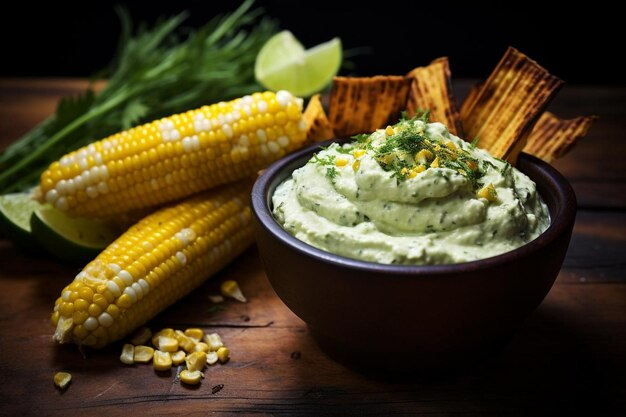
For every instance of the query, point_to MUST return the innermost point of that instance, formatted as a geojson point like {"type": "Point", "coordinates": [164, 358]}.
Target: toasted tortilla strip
{"type": "Point", "coordinates": [431, 89]}
{"type": "Point", "coordinates": [553, 137]}
{"type": "Point", "coordinates": [318, 126]}
{"type": "Point", "coordinates": [364, 104]}
{"type": "Point", "coordinates": [508, 105]}
{"type": "Point", "coordinates": [469, 100]}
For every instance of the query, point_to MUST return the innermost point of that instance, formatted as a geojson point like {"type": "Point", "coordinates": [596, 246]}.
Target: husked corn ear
{"type": "Point", "coordinates": [176, 156]}
{"type": "Point", "coordinates": [156, 262]}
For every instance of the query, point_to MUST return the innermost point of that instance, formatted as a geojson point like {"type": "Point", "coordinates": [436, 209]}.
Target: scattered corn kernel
{"type": "Point", "coordinates": [214, 341]}
{"type": "Point", "coordinates": [211, 358]}
{"type": "Point", "coordinates": [435, 163]}
{"type": "Point", "coordinates": [143, 354]}
{"type": "Point", "coordinates": [202, 347]}
{"type": "Point", "coordinates": [451, 145]}
{"type": "Point", "coordinates": [162, 361]}
{"type": "Point", "coordinates": [141, 336]}
{"type": "Point", "coordinates": [167, 344]}
{"type": "Point", "coordinates": [185, 342]}
{"type": "Point", "coordinates": [356, 165]}
{"type": "Point", "coordinates": [191, 377]}
{"type": "Point", "coordinates": [178, 357]}
{"type": "Point", "coordinates": [389, 131]}
{"type": "Point", "coordinates": [231, 289]}
{"type": "Point", "coordinates": [404, 171]}
{"type": "Point", "coordinates": [223, 354]}
{"type": "Point", "coordinates": [62, 379]}
{"type": "Point", "coordinates": [163, 332]}
{"type": "Point", "coordinates": [215, 299]}
{"type": "Point", "coordinates": [128, 354]}
{"type": "Point", "coordinates": [195, 333]}
{"type": "Point", "coordinates": [488, 192]}
{"type": "Point", "coordinates": [196, 361]}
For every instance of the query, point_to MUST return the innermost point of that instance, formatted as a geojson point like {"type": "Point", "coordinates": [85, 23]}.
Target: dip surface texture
{"type": "Point", "coordinates": [410, 194]}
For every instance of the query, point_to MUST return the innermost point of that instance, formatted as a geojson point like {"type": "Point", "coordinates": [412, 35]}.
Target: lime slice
{"type": "Point", "coordinates": [284, 64]}
{"type": "Point", "coordinates": [70, 239]}
{"type": "Point", "coordinates": [15, 212]}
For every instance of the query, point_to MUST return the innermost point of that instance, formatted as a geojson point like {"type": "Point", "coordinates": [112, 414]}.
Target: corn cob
{"type": "Point", "coordinates": [176, 156]}
{"type": "Point", "coordinates": [156, 262]}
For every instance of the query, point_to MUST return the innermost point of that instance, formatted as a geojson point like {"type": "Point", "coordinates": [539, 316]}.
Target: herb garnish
{"type": "Point", "coordinates": [398, 153]}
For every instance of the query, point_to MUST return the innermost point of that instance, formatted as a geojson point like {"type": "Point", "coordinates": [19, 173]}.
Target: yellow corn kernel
{"type": "Point", "coordinates": [389, 131]}
{"type": "Point", "coordinates": [128, 354]}
{"type": "Point", "coordinates": [420, 168]}
{"type": "Point", "coordinates": [231, 289]}
{"type": "Point", "coordinates": [185, 342]}
{"type": "Point", "coordinates": [143, 354]}
{"type": "Point", "coordinates": [341, 162]}
{"type": "Point", "coordinates": [451, 145]}
{"type": "Point", "coordinates": [357, 153]}
{"type": "Point", "coordinates": [435, 163]}
{"type": "Point", "coordinates": [163, 332]}
{"type": "Point", "coordinates": [196, 361]}
{"type": "Point", "coordinates": [195, 333]}
{"type": "Point", "coordinates": [126, 171]}
{"type": "Point", "coordinates": [141, 336]}
{"type": "Point", "coordinates": [424, 156]}
{"type": "Point", "coordinates": [211, 358]}
{"type": "Point", "coordinates": [214, 341]}
{"type": "Point", "coordinates": [62, 379]}
{"type": "Point", "coordinates": [356, 165]}
{"type": "Point", "coordinates": [167, 344]}
{"type": "Point", "coordinates": [201, 347]}
{"type": "Point", "coordinates": [178, 357]}
{"type": "Point", "coordinates": [162, 361]}
{"type": "Point", "coordinates": [404, 171]}
{"type": "Point", "coordinates": [223, 354]}
{"type": "Point", "coordinates": [488, 192]}
{"type": "Point", "coordinates": [191, 377]}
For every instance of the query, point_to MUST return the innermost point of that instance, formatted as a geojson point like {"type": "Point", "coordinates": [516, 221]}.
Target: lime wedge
{"type": "Point", "coordinates": [75, 240]}
{"type": "Point", "coordinates": [15, 212]}
{"type": "Point", "coordinates": [284, 64]}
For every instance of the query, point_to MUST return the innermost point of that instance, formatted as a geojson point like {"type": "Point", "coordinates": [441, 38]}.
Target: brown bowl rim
{"type": "Point", "coordinates": [560, 220]}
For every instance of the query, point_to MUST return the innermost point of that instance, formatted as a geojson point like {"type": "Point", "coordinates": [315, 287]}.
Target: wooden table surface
{"type": "Point", "coordinates": [568, 358]}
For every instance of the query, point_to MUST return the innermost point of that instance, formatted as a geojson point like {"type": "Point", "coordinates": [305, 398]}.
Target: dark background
{"type": "Point", "coordinates": [578, 44]}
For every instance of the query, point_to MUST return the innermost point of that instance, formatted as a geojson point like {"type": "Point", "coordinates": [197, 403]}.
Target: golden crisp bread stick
{"type": "Point", "coordinates": [364, 104]}
{"type": "Point", "coordinates": [508, 105]}
{"type": "Point", "coordinates": [319, 127]}
{"type": "Point", "coordinates": [469, 101]}
{"type": "Point", "coordinates": [552, 137]}
{"type": "Point", "coordinates": [431, 89]}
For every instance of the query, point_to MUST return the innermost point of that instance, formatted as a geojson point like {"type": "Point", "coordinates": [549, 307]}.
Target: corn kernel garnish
{"type": "Point", "coordinates": [341, 162]}
{"type": "Point", "coordinates": [488, 192]}
{"type": "Point", "coordinates": [62, 379]}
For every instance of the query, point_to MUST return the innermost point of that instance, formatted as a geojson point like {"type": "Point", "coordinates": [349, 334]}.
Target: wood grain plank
{"type": "Point", "coordinates": [571, 345]}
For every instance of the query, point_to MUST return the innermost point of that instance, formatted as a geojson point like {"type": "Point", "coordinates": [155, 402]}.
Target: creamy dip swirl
{"type": "Point", "coordinates": [380, 199]}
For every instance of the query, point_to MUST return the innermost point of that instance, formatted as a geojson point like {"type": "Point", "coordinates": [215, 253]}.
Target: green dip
{"type": "Point", "coordinates": [410, 194]}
